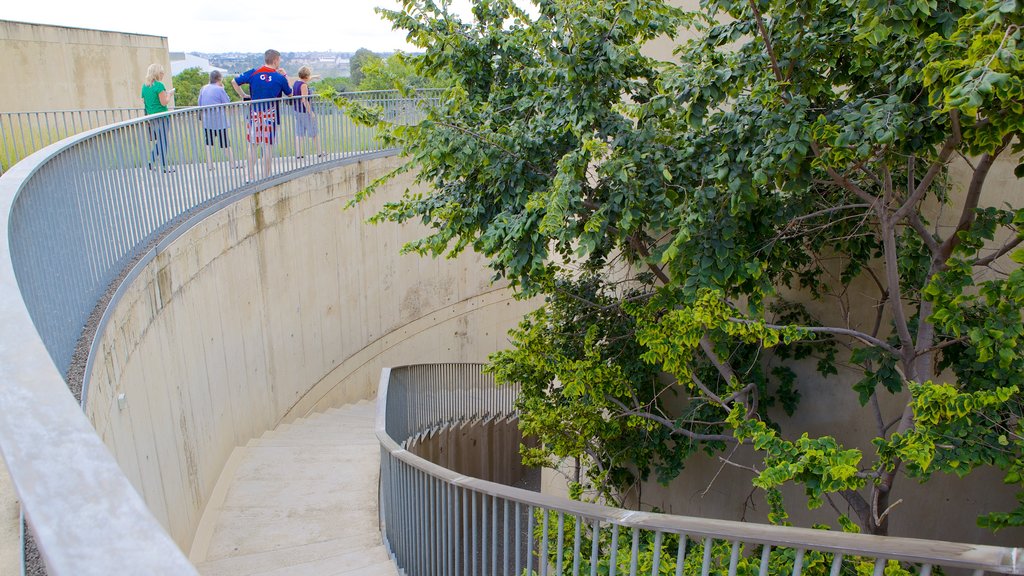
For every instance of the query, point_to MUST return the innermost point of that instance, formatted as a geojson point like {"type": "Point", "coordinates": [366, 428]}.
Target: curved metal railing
{"type": "Point", "coordinates": [22, 133]}
{"type": "Point", "coordinates": [79, 213]}
{"type": "Point", "coordinates": [96, 201]}
{"type": "Point", "coordinates": [436, 522]}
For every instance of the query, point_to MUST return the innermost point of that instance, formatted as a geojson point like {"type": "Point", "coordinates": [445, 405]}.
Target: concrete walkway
{"type": "Point", "coordinates": [10, 525]}
{"type": "Point", "coordinates": [301, 500]}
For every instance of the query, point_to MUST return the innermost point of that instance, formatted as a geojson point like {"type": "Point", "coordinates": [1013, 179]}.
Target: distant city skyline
{"type": "Point", "coordinates": [252, 26]}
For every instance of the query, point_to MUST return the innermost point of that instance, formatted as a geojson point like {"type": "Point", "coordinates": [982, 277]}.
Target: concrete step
{"type": "Point", "coordinates": [302, 499]}
{"type": "Point", "coordinates": [362, 407]}
{"type": "Point", "coordinates": [367, 561]}
{"type": "Point", "coordinates": [363, 562]}
{"type": "Point", "coordinates": [347, 418]}
{"type": "Point", "coordinates": [248, 564]}
{"type": "Point", "coordinates": [322, 439]}
{"type": "Point", "coordinates": [326, 424]}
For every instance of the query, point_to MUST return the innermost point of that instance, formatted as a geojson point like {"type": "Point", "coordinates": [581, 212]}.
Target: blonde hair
{"type": "Point", "coordinates": [305, 72]}
{"type": "Point", "coordinates": [153, 73]}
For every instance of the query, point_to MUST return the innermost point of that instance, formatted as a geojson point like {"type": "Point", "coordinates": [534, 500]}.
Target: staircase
{"type": "Point", "coordinates": [300, 500]}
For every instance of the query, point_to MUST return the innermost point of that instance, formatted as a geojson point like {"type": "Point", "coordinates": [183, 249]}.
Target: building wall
{"type": "Point", "coordinates": [280, 304]}
{"type": "Point", "coordinates": [78, 68]}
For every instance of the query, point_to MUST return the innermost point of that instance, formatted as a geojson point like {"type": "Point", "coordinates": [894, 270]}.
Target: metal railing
{"type": "Point", "coordinates": [436, 522]}
{"type": "Point", "coordinates": [22, 133]}
{"type": "Point", "coordinates": [79, 212]}
{"type": "Point", "coordinates": [97, 201]}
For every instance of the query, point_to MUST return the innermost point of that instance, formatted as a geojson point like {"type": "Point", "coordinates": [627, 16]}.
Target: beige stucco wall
{"type": "Point", "coordinates": [279, 304]}
{"type": "Point", "coordinates": [82, 68]}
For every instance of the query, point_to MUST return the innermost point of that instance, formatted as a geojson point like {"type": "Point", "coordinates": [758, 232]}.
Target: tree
{"type": "Point", "coordinates": [189, 82]}
{"type": "Point", "coordinates": [187, 85]}
{"type": "Point", "coordinates": [679, 218]}
{"type": "Point", "coordinates": [333, 85]}
{"type": "Point", "coordinates": [398, 71]}
{"type": "Point", "coordinates": [358, 61]}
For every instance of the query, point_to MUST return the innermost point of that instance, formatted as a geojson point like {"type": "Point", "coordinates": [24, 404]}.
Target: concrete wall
{"type": "Point", "coordinates": [278, 305]}
{"type": "Point", "coordinates": [488, 450]}
{"type": "Point", "coordinates": [76, 68]}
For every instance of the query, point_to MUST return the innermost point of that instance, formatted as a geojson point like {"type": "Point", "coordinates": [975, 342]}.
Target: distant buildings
{"type": "Point", "coordinates": [181, 61]}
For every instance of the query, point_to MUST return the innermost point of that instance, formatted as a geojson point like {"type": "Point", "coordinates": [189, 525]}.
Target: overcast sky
{"type": "Point", "coordinates": [230, 26]}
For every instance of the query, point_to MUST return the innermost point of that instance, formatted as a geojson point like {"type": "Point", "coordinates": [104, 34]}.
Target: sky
{"type": "Point", "coordinates": [231, 26]}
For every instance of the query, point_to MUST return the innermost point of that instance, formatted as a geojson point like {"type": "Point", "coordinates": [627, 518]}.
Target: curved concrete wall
{"type": "Point", "coordinates": [280, 304]}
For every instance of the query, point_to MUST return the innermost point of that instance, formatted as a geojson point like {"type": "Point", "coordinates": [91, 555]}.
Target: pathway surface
{"type": "Point", "coordinates": [301, 500]}
{"type": "Point", "coordinates": [10, 525]}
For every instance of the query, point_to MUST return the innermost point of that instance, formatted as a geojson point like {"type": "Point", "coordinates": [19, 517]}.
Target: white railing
{"type": "Point", "coordinates": [79, 213]}
{"type": "Point", "coordinates": [436, 522]}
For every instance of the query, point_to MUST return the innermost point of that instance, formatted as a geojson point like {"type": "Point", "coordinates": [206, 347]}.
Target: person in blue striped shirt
{"type": "Point", "coordinates": [266, 84]}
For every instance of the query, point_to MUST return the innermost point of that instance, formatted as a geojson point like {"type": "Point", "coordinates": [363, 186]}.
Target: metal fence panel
{"type": "Point", "coordinates": [97, 203]}
{"type": "Point", "coordinates": [567, 537]}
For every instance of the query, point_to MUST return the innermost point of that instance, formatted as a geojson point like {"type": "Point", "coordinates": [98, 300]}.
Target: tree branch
{"type": "Point", "coordinates": [829, 211]}
{"type": "Point", "coordinates": [843, 181]}
{"type": "Point", "coordinates": [946, 344]}
{"type": "Point", "coordinates": [914, 219]}
{"type": "Point", "coordinates": [973, 197]}
{"type": "Point", "coordinates": [510, 153]}
{"type": "Point", "coordinates": [717, 474]}
{"type": "Point", "coordinates": [865, 338]}
{"type": "Point", "coordinates": [1010, 245]}
{"type": "Point", "coordinates": [944, 154]}
{"type": "Point", "coordinates": [860, 506]}
{"type": "Point", "coordinates": [740, 466]}
{"type": "Point", "coordinates": [675, 430]}
{"type": "Point", "coordinates": [724, 369]}
{"type": "Point", "coordinates": [768, 45]}
{"type": "Point", "coordinates": [877, 409]}
{"type": "Point", "coordinates": [923, 365]}
{"type": "Point", "coordinates": [707, 392]}
{"type": "Point", "coordinates": [892, 277]}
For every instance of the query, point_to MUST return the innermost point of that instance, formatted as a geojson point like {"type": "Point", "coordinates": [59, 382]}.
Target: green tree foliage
{"type": "Point", "coordinates": [189, 82]}
{"type": "Point", "coordinates": [359, 60]}
{"type": "Point", "coordinates": [677, 217]}
{"type": "Point", "coordinates": [333, 85]}
{"type": "Point", "coordinates": [397, 72]}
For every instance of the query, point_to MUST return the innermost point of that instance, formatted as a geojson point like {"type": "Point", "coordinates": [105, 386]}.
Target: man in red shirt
{"type": "Point", "coordinates": [267, 82]}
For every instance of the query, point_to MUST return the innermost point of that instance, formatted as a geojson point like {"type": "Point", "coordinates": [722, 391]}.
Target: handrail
{"type": "Point", "coordinates": [87, 517]}
{"type": "Point", "coordinates": [435, 521]}
{"type": "Point", "coordinates": [25, 132]}
{"type": "Point", "coordinates": [22, 133]}
{"type": "Point", "coordinates": [100, 198]}
{"type": "Point", "coordinates": [78, 213]}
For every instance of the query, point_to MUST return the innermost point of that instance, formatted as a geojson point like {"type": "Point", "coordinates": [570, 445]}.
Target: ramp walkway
{"type": "Point", "coordinates": [300, 500]}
